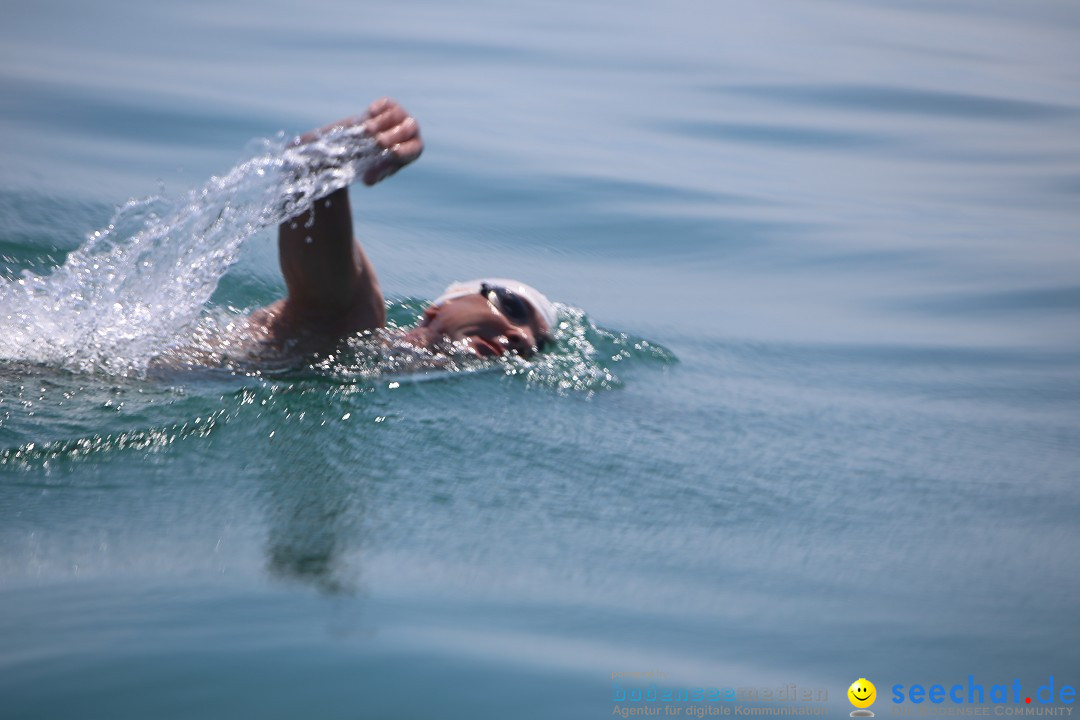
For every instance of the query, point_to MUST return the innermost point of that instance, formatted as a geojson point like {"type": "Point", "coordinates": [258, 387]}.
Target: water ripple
{"type": "Point", "coordinates": [913, 101]}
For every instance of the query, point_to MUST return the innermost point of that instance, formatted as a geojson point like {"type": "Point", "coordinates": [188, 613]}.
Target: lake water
{"type": "Point", "coordinates": [815, 413]}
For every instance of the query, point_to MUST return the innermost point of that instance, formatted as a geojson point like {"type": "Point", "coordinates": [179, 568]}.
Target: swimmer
{"type": "Point", "coordinates": [334, 293]}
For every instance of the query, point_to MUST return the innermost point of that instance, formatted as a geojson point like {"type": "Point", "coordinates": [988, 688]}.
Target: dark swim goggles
{"type": "Point", "coordinates": [515, 308]}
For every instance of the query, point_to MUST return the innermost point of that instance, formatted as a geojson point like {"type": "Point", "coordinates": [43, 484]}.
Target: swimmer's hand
{"type": "Point", "coordinates": [393, 130]}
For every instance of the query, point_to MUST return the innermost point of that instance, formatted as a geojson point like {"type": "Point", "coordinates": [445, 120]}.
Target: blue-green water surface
{"type": "Point", "coordinates": [815, 413]}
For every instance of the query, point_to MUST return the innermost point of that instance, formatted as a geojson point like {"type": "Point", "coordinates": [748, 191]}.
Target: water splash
{"type": "Point", "coordinates": [583, 359]}
{"type": "Point", "coordinates": [140, 284]}
{"type": "Point", "coordinates": [586, 357]}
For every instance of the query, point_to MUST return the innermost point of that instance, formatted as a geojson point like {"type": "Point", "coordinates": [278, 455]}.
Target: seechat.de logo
{"type": "Point", "coordinates": [862, 695]}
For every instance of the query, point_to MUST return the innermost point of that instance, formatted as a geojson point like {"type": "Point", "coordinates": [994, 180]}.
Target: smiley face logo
{"type": "Point", "coordinates": [862, 693]}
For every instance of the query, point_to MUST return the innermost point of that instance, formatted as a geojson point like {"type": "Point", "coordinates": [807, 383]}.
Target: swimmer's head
{"type": "Point", "coordinates": [493, 316]}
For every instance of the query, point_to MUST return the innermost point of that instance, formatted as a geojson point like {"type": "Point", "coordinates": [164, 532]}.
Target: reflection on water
{"type": "Point", "coordinates": [315, 513]}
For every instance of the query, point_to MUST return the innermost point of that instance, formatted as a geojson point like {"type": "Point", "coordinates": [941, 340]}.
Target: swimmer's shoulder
{"type": "Point", "coordinates": [266, 323]}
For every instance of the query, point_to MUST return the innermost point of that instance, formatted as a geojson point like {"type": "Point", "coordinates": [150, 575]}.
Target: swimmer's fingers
{"type": "Point", "coordinates": [380, 105]}
{"type": "Point", "coordinates": [385, 122]}
{"type": "Point", "coordinates": [403, 131]}
{"type": "Point", "coordinates": [392, 126]}
{"type": "Point", "coordinates": [399, 156]}
{"type": "Point", "coordinates": [393, 129]}
{"type": "Point", "coordinates": [409, 150]}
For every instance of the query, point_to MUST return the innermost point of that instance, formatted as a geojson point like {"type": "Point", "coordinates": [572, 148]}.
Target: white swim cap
{"type": "Point", "coordinates": [544, 307]}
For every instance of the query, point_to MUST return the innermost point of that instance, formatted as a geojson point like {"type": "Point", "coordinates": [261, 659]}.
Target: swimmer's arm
{"type": "Point", "coordinates": [332, 285]}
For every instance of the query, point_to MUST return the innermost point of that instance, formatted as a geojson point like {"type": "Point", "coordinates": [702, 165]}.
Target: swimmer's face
{"type": "Point", "coordinates": [484, 328]}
